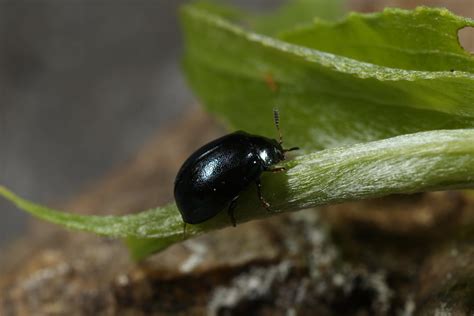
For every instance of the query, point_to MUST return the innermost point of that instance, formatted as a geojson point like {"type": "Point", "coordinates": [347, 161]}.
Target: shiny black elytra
{"type": "Point", "coordinates": [213, 177]}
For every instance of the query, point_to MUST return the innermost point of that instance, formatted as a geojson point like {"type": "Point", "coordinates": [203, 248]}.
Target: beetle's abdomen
{"type": "Point", "coordinates": [213, 176]}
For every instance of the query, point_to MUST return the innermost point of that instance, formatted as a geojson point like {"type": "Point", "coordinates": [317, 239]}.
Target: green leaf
{"type": "Point", "coordinates": [423, 39]}
{"type": "Point", "coordinates": [135, 225]}
{"type": "Point", "coordinates": [329, 100]}
{"type": "Point", "coordinates": [410, 163]}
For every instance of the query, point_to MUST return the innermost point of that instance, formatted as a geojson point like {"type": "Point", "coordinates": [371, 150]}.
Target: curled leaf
{"type": "Point", "coordinates": [425, 161]}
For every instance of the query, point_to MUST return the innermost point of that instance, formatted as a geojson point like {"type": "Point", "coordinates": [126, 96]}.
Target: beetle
{"type": "Point", "coordinates": [214, 176]}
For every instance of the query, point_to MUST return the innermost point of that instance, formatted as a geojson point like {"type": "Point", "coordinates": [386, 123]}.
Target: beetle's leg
{"type": "Point", "coordinates": [230, 210]}
{"type": "Point", "coordinates": [278, 169]}
{"type": "Point", "coordinates": [184, 231]}
{"type": "Point", "coordinates": [265, 204]}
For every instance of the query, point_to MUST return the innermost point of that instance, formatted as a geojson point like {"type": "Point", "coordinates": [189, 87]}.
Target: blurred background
{"type": "Point", "coordinates": [84, 84]}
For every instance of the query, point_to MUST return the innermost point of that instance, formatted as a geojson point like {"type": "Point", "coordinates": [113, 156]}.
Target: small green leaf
{"type": "Point", "coordinates": [434, 160]}
{"type": "Point", "coordinates": [291, 14]}
{"type": "Point", "coordinates": [296, 13]}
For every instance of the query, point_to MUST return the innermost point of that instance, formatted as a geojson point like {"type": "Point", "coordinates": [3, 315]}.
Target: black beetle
{"type": "Point", "coordinates": [212, 178]}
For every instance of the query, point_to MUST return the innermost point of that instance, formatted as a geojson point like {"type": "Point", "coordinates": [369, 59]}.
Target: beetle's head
{"type": "Point", "coordinates": [269, 151]}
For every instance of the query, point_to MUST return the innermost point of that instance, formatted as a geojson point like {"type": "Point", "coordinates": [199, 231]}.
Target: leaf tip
{"type": "Point", "coordinates": [6, 193]}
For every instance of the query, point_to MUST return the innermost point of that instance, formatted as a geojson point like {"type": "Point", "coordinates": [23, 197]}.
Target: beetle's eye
{"type": "Point", "coordinates": [278, 153]}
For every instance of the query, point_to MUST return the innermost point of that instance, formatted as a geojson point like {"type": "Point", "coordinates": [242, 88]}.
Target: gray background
{"type": "Point", "coordinates": [83, 85]}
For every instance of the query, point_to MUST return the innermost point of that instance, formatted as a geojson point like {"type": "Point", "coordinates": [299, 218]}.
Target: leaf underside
{"type": "Point", "coordinates": [405, 164]}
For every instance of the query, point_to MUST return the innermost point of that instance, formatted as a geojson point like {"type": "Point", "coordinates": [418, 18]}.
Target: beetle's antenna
{"type": "Point", "coordinates": [276, 119]}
